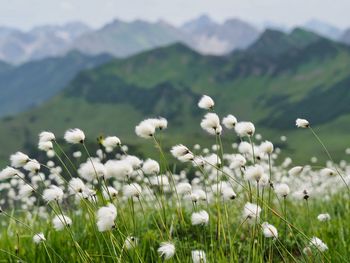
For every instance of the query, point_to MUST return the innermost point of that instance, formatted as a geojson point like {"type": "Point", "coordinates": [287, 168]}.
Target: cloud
{"type": "Point", "coordinates": [66, 5]}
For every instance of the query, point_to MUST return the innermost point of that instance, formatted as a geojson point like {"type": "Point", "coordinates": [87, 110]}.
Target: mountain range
{"type": "Point", "coordinates": [122, 39]}
{"type": "Point", "coordinates": [280, 77]}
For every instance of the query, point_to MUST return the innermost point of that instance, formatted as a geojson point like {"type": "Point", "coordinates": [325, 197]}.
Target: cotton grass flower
{"type": "Point", "coordinates": [145, 129]}
{"type": "Point", "coordinates": [38, 238]}
{"type": "Point", "coordinates": [266, 147]}
{"type": "Point", "coordinates": [74, 136]}
{"type": "Point", "coordinates": [302, 123]}
{"type": "Point", "coordinates": [119, 169]}
{"type": "Point", "coordinates": [179, 151]}
{"type": "Point", "coordinates": [111, 142]}
{"type": "Point", "coordinates": [8, 172]}
{"type": "Point", "coordinates": [254, 173]}
{"type": "Point", "coordinates": [318, 244]}
{"type": "Point", "coordinates": [19, 159]}
{"type": "Point", "coordinates": [61, 221]}
{"type": "Point", "coordinates": [198, 256]}
{"type": "Point", "coordinates": [269, 230]}
{"type": "Point", "coordinates": [106, 216]}
{"type": "Point", "coordinates": [206, 103]}
{"type": "Point", "coordinates": [323, 217]}
{"type": "Point", "coordinates": [132, 190]}
{"type": "Point", "coordinates": [110, 192]}
{"type": "Point", "coordinates": [327, 172]}
{"type": "Point", "coordinates": [76, 185]}
{"type": "Point", "coordinates": [54, 193]}
{"type": "Point", "coordinates": [244, 129]}
{"type": "Point", "coordinates": [282, 190]}
{"type": "Point", "coordinates": [166, 250]}
{"type": "Point", "coordinates": [200, 218]}
{"type": "Point", "coordinates": [151, 167]}
{"type": "Point", "coordinates": [92, 169]}
{"type": "Point", "coordinates": [251, 211]}
{"type": "Point", "coordinates": [45, 146]}
{"type": "Point", "coordinates": [131, 242]}
{"type": "Point", "coordinates": [295, 170]}
{"type": "Point", "coordinates": [46, 136]}
{"type": "Point", "coordinates": [32, 166]}
{"type": "Point", "coordinates": [229, 121]}
{"type": "Point", "coordinates": [211, 124]}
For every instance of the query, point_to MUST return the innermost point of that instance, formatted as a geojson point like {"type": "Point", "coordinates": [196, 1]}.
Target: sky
{"type": "Point", "coordinates": [25, 14]}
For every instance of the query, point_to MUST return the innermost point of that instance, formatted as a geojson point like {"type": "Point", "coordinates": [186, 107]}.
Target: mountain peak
{"type": "Point", "coordinates": [323, 28]}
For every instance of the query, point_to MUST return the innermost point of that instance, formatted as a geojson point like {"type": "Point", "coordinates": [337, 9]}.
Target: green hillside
{"type": "Point", "coordinates": [308, 79]}
{"type": "Point", "coordinates": [30, 84]}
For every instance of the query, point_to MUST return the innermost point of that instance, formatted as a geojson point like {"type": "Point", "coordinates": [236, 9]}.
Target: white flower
{"type": "Point", "coordinates": [323, 217]}
{"type": "Point", "coordinates": [327, 172]}
{"type": "Point", "coordinates": [198, 256]}
{"type": "Point", "coordinates": [111, 142]}
{"type": "Point", "coordinates": [229, 121]}
{"type": "Point", "coordinates": [166, 250]}
{"type": "Point", "coordinates": [160, 180]}
{"type": "Point", "coordinates": [60, 221]}
{"type": "Point", "coordinates": [179, 150]}
{"type": "Point", "coordinates": [245, 148]}
{"type": "Point", "coordinates": [183, 188]}
{"type": "Point", "coordinates": [76, 185]}
{"type": "Point", "coordinates": [200, 218]}
{"type": "Point", "coordinates": [145, 129]}
{"type": "Point", "coordinates": [295, 170]}
{"type": "Point", "coordinates": [269, 230]}
{"type": "Point", "coordinates": [206, 103]}
{"type": "Point", "coordinates": [135, 162]}
{"type": "Point", "coordinates": [38, 238]}
{"type": "Point", "coordinates": [92, 169]}
{"type": "Point", "coordinates": [282, 190]}
{"type": "Point", "coordinates": [32, 166]}
{"type": "Point", "coordinates": [46, 136]}
{"type": "Point", "coordinates": [244, 128]}
{"type": "Point", "coordinates": [251, 211]}
{"type": "Point", "coordinates": [19, 159]}
{"type": "Point", "coordinates": [318, 244]}
{"type": "Point", "coordinates": [228, 193]}
{"type": "Point", "coordinates": [25, 191]}
{"type": "Point", "coordinates": [302, 123]}
{"type": "Point", "coordinates": [238, 161]}
{"type": "Point", "coordinates": [211, 124]}
{"type": "Point", "coordinates": [132, 190]}
{"type": "Point", "coordinates": [130, 242]}
{"type": "Point", "coordinates": [254, 173]}
{"type": "Point", "coordinates": [150, 167]}
{"type": "Point", "coordinates": [74, 136]}
{"type": "Point", "coordinates": [110, 192]}
{"type": "Point", "coordinates": [119, 169]}
{"type": "Point", "coordinates": [160, 123]}
{"type": "Point", "coordinates": [8, 172]}
{"type": "Point", "coordinates": [77, 154]}
{"type": "Point", "coordinates": [105, 217]}
{"type": "Point", "coordinates": [266, 147]}
{"type": "Point", "coordinates": [45, 146]}
{"type": "Point", "coordinates": [54, 193]}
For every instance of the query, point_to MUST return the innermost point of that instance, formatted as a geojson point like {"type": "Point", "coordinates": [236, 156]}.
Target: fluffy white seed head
{"type": "Point", "coordinates": [8, 172]}
{"type": "Point", "coordinates": [38, 238]}
{"type": "Point", "coordinates": [106, 216]}
{"type": "Point", "coordinates": [245, 128]}
{"type": "Point", "coordinates": [200, 218]}
{"type": "Point", "coordinates": [111, 142]}
{"type": "Point", "coordinates": [74, 136]}
{"type": "Point", "coordinates": [110, 192]}
{"type": "Point", "coordinates": [32, 166]}
{"type": "Point", "coordinates": [19, 159]}
{"type": "Point", "coordinates": [145, 129]}
{"type": "Point", "coordinates": [166, 250]}
{"type": "Point", "coordinates": [254, 173]}
{"type": "Point", "coordinates": [76, 185]}
{"type": "Point", "coordinates": [302, 123]}
{"type": "Point", "coordinates": [229, 121]}
{"type": "Point", "coordinates": [150, 167]}
{"type": "Point", "coordinates": [198, 256]}
{"type": "Point", "coordinates": [318, 244]}
{"type": "Point", "coordinates": [251, 211]}
{"type": "Point", "coordinates": [45, 146]}
{"type": "Point", "coordinates": [282, 190]}
{"type": "Point", "coordinates": [132, 190]}
{"type": "Point", "coordinates": [327, 172]}
{"type": "Point", "coordinates": [92, 169]}
{"type": "Point", "coordinates": [269, 230]}
{"type": "Point", "coordinates": [119, 169]}
{"type": "Point", "coordinates": [46, 136]}
{"type": "Point", "coordinates": [266, 147]}
{"type": "Point", "coordinates": [323, 217]}
{"type": "Point", "coordinates": [206, 103]}
{"type": "Point", "coordinates": [296, 170]}
{"type": "Point", "coordinates": [179, 150]}
{"type": "Point", "coordinates": [211, 124]}
{"type": "Point", "coordinates": [130, 242]}
{"type": "Point", "coordinates": [61, 221]}
{"type": "Point", "coordinates": [53, 193]}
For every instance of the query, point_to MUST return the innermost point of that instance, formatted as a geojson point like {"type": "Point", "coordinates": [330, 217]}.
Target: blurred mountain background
{"type": "Point", "coordinates": [106, 80]}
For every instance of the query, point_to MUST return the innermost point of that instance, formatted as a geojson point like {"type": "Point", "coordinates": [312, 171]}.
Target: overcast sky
{"type": "Point", "coordinates": [25, 14]}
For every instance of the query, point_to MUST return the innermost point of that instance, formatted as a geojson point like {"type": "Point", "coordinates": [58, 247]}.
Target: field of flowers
{"type": "Point", "coordinates": [242, 203]}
